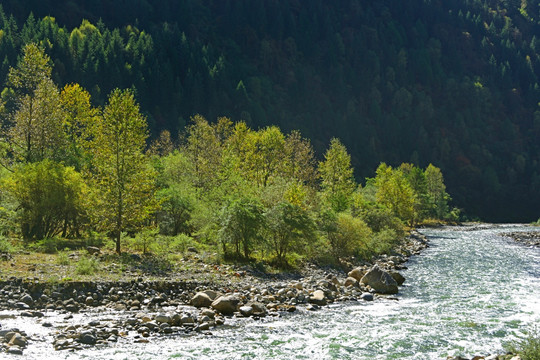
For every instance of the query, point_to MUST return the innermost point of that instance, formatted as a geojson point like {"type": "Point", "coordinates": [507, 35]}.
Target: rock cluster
{"type": "Point", "coordinates": [13, 341]}
{"type": "Point", "coordinates": [158, 308]}
{"type": "Point", "coordinates": [529, 238]}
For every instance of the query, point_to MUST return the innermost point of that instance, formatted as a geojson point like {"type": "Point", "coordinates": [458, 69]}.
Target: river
{"type": "Point", "coordinates": [467, 294]}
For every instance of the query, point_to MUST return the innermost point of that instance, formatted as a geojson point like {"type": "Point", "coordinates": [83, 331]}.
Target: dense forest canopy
{"type": "Point", "coordinates": [450, 83]}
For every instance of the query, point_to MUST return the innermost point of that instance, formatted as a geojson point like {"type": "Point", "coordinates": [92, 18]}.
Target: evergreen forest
{"type": "Point", "coordinates": [450, 83]}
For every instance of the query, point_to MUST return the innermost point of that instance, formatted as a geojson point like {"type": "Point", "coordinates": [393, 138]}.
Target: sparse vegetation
{"type": "Point", "coordinates": [528, 348]}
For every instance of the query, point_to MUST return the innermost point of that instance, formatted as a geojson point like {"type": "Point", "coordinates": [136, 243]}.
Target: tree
{"type": "Point", "coordinates": [34, 68]}
{"type": "Point", "coordinates": [436, 192]}
{"type": "Point", "coordinates": [300, 159]}
{"type": "Point", "coordinates": [204, 150]}
{"type": "Point", "coordinates": [337, 176]}
{"type": "Point", "coordinates": [36, 120]}
{"type": "Point", "coordinates": [37, 132]}
{"type": "Point", "coordinates": [240, 222]}
{"type": "Point", "coordinates": [288, 227]}
{"type": "Point", "coordinates": [79, 115]}
{"type": "Point", "coordinates": [395, 192]}
{"type": "Point", "coordinates": [122, 175]}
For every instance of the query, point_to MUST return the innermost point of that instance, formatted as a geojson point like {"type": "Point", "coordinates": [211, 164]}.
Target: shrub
{"type": "Point", "coordinates": [50, 198]}
{"type": "Point", "coordinates": [5, 245]}
{"type": "Point", "coordinates": [87, 266]}
{"type": "Point", "coordinates": [529, 347]}
{"type": "Point", "coordinates": [63, 258]}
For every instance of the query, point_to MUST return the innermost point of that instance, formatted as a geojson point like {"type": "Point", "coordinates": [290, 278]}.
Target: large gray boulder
{"type": "Point", "coordinates": [201, 299]}
{"type": "Point", "coordinates": [380, 281]}
{"type": "Point", "coordinates": [398, 277]}
{"type": "Point", "coordinates": [226, 304]}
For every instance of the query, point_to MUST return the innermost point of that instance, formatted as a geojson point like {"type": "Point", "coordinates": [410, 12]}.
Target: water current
{"type": "Point", "coordinates": [467, 294]}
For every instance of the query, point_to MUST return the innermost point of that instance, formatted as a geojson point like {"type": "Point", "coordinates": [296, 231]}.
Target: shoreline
{"type": "Point", "coordinates": [170, 305]}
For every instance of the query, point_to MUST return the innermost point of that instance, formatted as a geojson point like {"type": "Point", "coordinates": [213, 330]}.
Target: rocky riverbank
{"type": "Point", "coordinates": [75, 315]}
{"type": "Point", "coordinates": [528, 238]}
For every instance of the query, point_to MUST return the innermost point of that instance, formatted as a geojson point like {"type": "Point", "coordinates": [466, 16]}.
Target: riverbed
{"type": "Point", "coordinates": [468, 293]}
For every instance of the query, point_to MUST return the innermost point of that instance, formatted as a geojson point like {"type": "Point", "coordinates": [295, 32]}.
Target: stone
{"type": "Point", "coordinates": [87, 338]}
{"type": "Point", "coordinates": [18, 340]}
{"type": "Point", "coordinates": [258, 308]}
{"type": "Point", "coordinates": [212, 294]}
{"type": "Point", "coordinates": [187, 319]}
{"type": "Point", "coordinates": [366, 296]}
{"type": "Point", "coordinates": [226, 304]}
{"type": "Point", "coordinates": [92, 250]}
{"type": "Point", "coordinates": [72, 308]}
{"type": "Point", "coordinates": [14, 350]}
{"type": "Point", "coordinates": [22, 305]}
{"type": "Point", "coordinates": [318, 298]}
{"type": "Point", "coordinates": [27, 299]}
{"type": "Point", "coordinates": [201, 299]}
{"type": "Point", "coordinates": [380, 281]}
{"type": "Point", "coordinates": [350, 281]}
{"type": "Point", "coordinates": [398, 277]}
{"type": "Point", "coordinates": [246, 310]}
{"type": "Point", "coordinates": [203, 327]}
{"type": "Point", "coordinates": [357, 273]}
{"type": "Point", "coordinates": [162, 318]}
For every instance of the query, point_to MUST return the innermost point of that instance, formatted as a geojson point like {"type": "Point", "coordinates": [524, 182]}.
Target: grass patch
{"type": "Point", "coordinates": [527, 348]}
{"type": "Point", "coordinates": [63, 258]}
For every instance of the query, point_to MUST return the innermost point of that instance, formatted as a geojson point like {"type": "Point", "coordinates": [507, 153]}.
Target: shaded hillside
{"type": "Point", "coordinates": [451, 83]}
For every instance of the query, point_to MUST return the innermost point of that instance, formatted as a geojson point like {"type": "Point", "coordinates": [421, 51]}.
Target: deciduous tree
{"type": "Point", "coordinates": [122, 174]}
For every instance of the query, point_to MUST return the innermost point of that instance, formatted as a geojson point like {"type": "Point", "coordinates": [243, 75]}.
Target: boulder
{"type": "Point", "coordinates": [318, 298]}
{"type": "Point", "coordinates": [27, 299]}
{"type": "Point", "coordinates": [380, 281]}
{"type": "Point", "coordinates": [350, 281]}
{"type": "Point", "coordinates": [398, 277]}
{"type": "Point", "coordinates": [226, 304]}
{"type": "Point", "coordinates": [201, 299]}
{"type": "Point", "coordinates": [18, 340]}
{"type": "Point", "coordinates": [357, 273]}
{"type": "Point", "coordinates": [92, 250]}
{"type": "Point", "coordinates": [87, 338]}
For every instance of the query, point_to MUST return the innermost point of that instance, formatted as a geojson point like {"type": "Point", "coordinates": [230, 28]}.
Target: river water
{"type": "Point", "coordinates": [467, 294]}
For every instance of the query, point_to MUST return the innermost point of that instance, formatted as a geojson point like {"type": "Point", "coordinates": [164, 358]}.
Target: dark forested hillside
{"type": "Point", "coordinates": [453, 83]}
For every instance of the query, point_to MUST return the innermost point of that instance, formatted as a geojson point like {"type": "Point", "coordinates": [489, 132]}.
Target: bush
{"type": "Point", "coordinates": [87, 266]}
{"type": "Point", "coordinates": [5, 245]}
{"type": "Point", "coordinates": [50, 197]}
{"type": "Point", "coordinates": [347, 235]}
{"type": "Point", "coordinates": [63, 258]}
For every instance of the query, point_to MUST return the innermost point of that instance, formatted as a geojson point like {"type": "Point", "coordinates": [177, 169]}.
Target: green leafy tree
{"type": "Point", "coordinates": [241, 221]}
{"type": "Point", "coordinates": [395, 192]}
{"type": "Point", "coordinates": [437, 197]}
{"type": "Point", "coordinates": [337, 176]}
{"type": "Point", "coordinates": [35, 132]}
{"type": "Point", "coordinates": [204, 150]}
{"type": "Point", "coordinates": [79, 115]}
{"type": "Point", "coordinates": [122, 175]}
{"type": "Point", "coordinates": [177, 204]}
{"type": "Point", "coordinates": [288, 227]}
